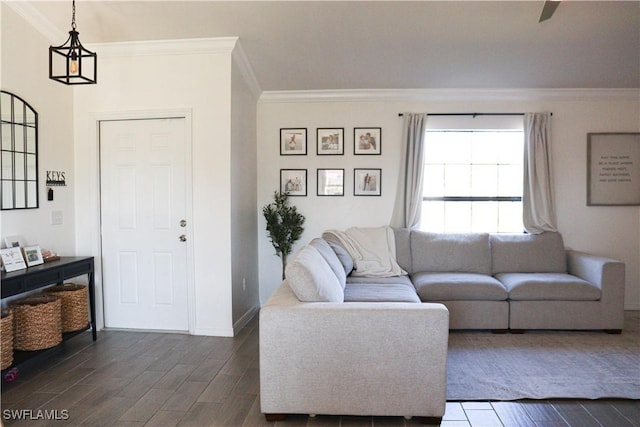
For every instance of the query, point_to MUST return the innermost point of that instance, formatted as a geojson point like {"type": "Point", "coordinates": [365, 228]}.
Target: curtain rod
{"type": "Point", "coordinates": [472, 114]}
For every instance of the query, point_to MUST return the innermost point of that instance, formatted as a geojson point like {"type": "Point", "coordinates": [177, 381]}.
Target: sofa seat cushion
{"type": "Point", "coordinates": [548, 287]}
{"type": "Point", "coordinates": [311, 278]}
{"type": "Point", "coordinates": [395, 280]}
{"type": "Point", "coordinates": [380, 292]}
{"type": "Point", "coordinates": [458, 286]}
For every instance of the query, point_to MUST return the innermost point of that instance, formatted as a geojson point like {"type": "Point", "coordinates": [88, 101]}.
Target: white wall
{"type": "Point", "coordinates": [609, 231]}
{"type": "Point", "coordinates": [24, 71]}
{"type": "Point", "coordinates": [244, 233]}
{"type": "Point", "coordinates": [156, 78]}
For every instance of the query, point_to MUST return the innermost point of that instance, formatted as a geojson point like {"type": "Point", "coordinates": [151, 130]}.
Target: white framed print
{"type": "Point", "coordinates": [367, 141]}
{"type": "Point", "coordinates": [12, 259]}
{"type": "Point", "coordinates": [293, 141]}
{"type": "Point", "coordinates": [293, 182]}
{"type": "Point", "coordinates": [33, 255]}
{"type": "Point", "coordinates": [330, 141]}
{"type": "Point", "coordinates": [367, 182]}
{"type": "Point", "coordinates": [330, 182]}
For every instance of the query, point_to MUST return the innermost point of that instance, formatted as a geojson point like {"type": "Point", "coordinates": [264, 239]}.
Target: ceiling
{"type": "Point", "coordinates": [329, 45]}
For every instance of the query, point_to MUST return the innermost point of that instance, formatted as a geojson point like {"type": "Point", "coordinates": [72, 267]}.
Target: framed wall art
{"type": "Point", "coordinates": [330, 182]}
{"type": "Point", "coordinates": [613, 169]}
{"type": "Point", "coordinates": [293, 142]}
{"type": "Point", "coordinates": [367, 182]}
{"type": "Point", "coordinates": [293, 181]}
{"type": "Point", "coordinates": [330, 141]}
{"type": "Point", "coordinates": [367, 141]}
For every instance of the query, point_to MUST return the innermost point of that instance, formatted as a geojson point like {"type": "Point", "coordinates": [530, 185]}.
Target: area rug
{"type": "Point", "coordinates": [545, 364]}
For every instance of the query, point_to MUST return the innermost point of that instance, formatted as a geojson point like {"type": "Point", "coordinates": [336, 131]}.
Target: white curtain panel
{"type": "Point", "coordinates": [538, 207]}
{"type": "Point", "coordinates": [408, 205]}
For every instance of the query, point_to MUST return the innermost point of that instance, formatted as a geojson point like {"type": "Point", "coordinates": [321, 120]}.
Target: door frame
{"type": "Point", "coordinates": [97, 118]}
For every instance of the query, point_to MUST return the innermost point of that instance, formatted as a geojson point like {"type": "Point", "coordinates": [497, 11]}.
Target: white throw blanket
{"type": "Point", "coordinates": [373, 250]}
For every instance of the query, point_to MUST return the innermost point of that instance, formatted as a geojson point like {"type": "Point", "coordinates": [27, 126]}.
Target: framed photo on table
{"type": "Point", "coordinates": [293, 142]}
{"type": "Point", "coordinates": [330, 141]}
{"type": "Point", "coordinates": [293, 182]}
{"type": "Point", "coordinates": [613, 169]}
{"type": "Point", "coordinates": [12, 259]}
{"type": "Point", "coordinates": [33, 255]}
{"type": "Point", "coordinates": [367, 182]}
{"type": "Point", "coordinates": [16, 241]}
{"type": "Point", "coordinates": [367, 141]}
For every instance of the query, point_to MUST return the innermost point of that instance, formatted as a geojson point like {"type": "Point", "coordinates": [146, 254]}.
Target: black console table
{"type": "Point", "coordinates": [44, 275]}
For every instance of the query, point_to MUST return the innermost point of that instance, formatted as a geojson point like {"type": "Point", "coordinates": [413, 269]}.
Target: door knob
{"type": "Point", "coordinates": [182, 238]}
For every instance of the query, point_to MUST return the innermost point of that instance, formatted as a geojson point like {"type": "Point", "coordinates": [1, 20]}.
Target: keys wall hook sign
{"type": "Point", "coordinates": [56, 179]}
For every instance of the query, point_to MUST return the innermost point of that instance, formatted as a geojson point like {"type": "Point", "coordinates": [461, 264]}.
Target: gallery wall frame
{"type": "Point", "coordinates": [330, 182]}
{"type": "Point", "coordinates": [293, 182]}
{"type": "Point", "coordinates": [613, 169]}
{"type": "Point", "coordinates": [367, 141]}
{"type": "Point", "coordinates": [329, 141]}
{"type": "Point", "coordinates": [293, 141]}
{"type": "Point", "coordinates": [367, 182]}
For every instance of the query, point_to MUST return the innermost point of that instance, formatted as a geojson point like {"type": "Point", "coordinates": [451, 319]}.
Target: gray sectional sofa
{"type": "Point", "coordinates": [334, 341]}
{"type": "Point", "coordinates": [360, 348]}
{"type": "Point", "coordinates": [513, 281]}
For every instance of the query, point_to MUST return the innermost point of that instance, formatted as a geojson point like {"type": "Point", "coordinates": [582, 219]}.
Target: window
{"type": "Point", "coordinates": [473, 180]}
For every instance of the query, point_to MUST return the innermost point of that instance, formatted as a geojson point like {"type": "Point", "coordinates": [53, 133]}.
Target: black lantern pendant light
{"type": "Point", "coordinates": [71, 63]}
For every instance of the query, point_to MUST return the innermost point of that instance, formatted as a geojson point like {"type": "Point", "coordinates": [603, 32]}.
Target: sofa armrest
{"type": "Point", "coordinates": [352, 358]}
{"type": "Point", "coordinates": [606, 273]}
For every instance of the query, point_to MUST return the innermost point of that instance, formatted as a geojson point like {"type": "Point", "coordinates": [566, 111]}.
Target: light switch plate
{"type": "Point", "coordinates": [56, 217]}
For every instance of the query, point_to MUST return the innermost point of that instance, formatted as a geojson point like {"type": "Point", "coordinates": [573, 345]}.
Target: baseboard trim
{"type": "Point", "coordinates": [245, 319]}
{"type": "Point", "coordinates": [159, 331]}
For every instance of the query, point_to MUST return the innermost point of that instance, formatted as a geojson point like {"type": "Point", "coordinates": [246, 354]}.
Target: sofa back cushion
{"type": "Point", "coordinates": [311, 278]}
{"type": "Point", "coordinates": [403, 248]}
{"type": "Point", "coordinates": [445, 252]}
{"type": "Point", "coordinates": [332, 259]}
{"type": "Point", "coordinates": [343, 256]}
{"type": "Point", "coordinates": [528, 253]}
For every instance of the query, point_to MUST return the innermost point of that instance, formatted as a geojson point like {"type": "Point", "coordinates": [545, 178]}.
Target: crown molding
{"type": "Point", "coordinates": [370, 95]}
{"type": "Point", "coordinates": [165, 47]}
{"type": "Point", "coordinates": [39, 22]}
{"type": "Point", "coordinates": [239, 56]}
{"type": "Point", "coordinates": [224, 45]}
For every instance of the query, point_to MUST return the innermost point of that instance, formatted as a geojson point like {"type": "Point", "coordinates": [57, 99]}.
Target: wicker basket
{"type": "Point", "coordinates": [37, 323]}
{"type": "Point", "coordinates": [75, 308]}
{"type": "Point", "coordinates": [6, 339]}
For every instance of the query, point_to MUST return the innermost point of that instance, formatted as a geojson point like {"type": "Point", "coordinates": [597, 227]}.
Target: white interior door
{"type": "Point", "coordinates": [143, 198]}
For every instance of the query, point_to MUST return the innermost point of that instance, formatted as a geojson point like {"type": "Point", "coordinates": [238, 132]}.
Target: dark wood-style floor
{"type": "Point", "coordinates": [156, 379]}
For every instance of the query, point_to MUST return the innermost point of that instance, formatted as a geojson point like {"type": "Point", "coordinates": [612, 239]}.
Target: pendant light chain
{"type": "Point", "coordinates": [73, 15]}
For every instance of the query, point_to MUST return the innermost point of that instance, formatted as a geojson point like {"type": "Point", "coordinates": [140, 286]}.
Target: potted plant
{"type": "Point", "coordinates": [284, 225]}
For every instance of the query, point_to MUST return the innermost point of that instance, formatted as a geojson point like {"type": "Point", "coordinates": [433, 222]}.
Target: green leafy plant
{"type": "Point", "coordinates": [284, 225]}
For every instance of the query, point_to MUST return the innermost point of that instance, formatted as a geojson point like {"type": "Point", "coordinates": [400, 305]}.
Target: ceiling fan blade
{"type": "Point", "coordinates": [549, 7]}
